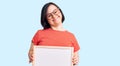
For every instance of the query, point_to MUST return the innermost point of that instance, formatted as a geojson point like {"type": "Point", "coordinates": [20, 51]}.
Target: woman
{"type": "Point", "coordinates": [53, 33]}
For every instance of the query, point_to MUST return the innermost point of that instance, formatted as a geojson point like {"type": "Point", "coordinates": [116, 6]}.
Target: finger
{"type": "Point", "coordinates": [75, 61]}
{"type": "Point", "coordinates": [30, 61]}
{"type": "Point", "coordinates": [30, 58]}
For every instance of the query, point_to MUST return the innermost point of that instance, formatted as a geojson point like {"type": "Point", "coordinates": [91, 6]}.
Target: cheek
{"type": "Point", "coordinates": [60, 15]}
{"type": "Point", "coordinates": [50, 22]}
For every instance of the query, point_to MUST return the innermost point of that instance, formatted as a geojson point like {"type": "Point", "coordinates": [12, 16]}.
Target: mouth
{"type": "Point", "coordinates": [56, 19]}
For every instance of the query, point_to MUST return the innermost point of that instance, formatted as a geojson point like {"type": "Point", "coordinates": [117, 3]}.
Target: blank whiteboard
{"type": "Point", "coordinates": [52, 56]}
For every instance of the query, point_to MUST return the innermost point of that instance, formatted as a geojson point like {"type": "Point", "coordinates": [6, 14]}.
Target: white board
{"type": "Point", "coordinates": [52, 56]}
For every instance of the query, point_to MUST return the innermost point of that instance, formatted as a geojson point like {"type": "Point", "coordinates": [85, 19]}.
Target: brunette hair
{"type": "Point", "coordinates": [44, 21]}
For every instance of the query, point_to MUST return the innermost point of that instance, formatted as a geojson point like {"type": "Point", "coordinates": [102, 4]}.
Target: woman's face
{"type": "Point", "coordinates": [54, 16]}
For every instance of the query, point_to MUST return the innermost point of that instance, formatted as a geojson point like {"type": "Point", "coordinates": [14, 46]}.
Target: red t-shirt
{"type": "Point", "coordinates": [50, 37]}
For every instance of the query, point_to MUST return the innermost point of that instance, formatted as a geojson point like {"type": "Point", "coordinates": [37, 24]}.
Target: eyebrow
{"type": "Point", "coordinates": [52, 11]}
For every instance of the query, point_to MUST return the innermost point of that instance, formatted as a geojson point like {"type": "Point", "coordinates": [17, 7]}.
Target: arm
{"type": "Point", "coordinates": [75, 59]}
{"type": "Point", "coordinates": [30, 53]}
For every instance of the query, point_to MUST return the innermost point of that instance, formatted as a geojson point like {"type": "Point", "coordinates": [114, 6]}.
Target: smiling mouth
{"type": "Point", "coordinates": [56, 19]}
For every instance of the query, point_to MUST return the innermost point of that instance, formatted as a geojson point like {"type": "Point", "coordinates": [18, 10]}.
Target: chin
{"type": "Point", "coordinates": [57, 20]}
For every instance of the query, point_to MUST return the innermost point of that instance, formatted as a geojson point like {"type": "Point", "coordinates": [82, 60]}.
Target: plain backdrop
{"type": "Point", "coordinates": [95, 23]}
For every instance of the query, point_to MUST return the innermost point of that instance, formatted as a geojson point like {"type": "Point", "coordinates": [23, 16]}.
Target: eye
{"type": "Point", "coordinates": [48, 15]}
{"type": "Point", "coordinates": [55, 12]}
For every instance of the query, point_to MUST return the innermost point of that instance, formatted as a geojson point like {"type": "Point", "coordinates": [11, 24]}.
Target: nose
{"type": "Point", "coordinates": [53, 15]}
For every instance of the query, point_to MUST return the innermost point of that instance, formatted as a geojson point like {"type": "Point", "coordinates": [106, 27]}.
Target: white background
{"type": "Point", "coordinates": [95, 23]}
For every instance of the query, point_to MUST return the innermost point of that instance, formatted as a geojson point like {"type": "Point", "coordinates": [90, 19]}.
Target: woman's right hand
{"type": "Point", "coordinates": [30, 55]}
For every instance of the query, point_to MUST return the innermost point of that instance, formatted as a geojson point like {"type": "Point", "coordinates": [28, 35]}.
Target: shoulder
{"type": "Point", "coordinates": [70, 33]}
{"type": "Point", "coordinates": [42, 31]}
{"type": "Point", "coordinates": [39, 31]}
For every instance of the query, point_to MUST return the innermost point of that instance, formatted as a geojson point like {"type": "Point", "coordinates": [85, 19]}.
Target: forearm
{"type": "Point", "coordinates": [30, 53]}
{"type": "Point", "coordinates": [31, 47]}
{"type": "Point", "coordinates": [75, 58]}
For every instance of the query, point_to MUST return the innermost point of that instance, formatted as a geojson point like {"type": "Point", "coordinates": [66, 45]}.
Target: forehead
{"type": "Point", "coordinates": [51, 8]}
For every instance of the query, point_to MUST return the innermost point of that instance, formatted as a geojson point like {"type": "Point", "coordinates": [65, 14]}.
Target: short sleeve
{"type": "Point", "coordinates": [35, 38]}
{"type": "Point", "coordinates": [75, 44]}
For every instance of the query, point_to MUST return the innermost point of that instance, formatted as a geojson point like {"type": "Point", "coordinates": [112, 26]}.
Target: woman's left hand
{"type": "Point", "coordinates": [75, 58]}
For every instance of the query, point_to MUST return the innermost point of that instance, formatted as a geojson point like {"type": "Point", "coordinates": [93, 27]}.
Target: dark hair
{"type": "Point", "coordinates": [44, 21]}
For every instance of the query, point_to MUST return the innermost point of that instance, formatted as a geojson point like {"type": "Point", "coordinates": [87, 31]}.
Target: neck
{"type": "Point", "coordinates": [59, 28]}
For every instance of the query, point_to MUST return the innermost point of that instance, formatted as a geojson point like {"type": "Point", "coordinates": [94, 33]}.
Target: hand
{"type": "Point", "coordinates": [30, 55]}
{"type": "Point", "coordinates": [75, 58]}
